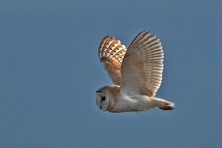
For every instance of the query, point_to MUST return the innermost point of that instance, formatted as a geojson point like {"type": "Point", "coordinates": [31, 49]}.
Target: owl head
{"type": "Point", "coordinates": [102, 99]}
{"type": "Point", "coordinates": [106, 96]}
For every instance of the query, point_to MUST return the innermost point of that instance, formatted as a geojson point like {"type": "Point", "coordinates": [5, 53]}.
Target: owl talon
{"type": "Point", "coordinates": [170, 106]}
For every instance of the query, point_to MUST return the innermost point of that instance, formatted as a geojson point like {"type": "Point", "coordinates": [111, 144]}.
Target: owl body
{"type": "Point", "coordinates": [136, 72]}
{"type": "Point", "coordinates": [129, 103]}
{"type": "Point", "coordinates": [134, 103]}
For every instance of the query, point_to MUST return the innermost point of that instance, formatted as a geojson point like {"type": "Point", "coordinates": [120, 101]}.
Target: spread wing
{"type": "Point", "coordinates": [111, 53]}
{"type": "Point", "coordinates": [142, 65]}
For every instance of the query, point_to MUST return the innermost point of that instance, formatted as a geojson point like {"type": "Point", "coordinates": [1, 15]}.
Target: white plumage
{"type": "Point", "coordinates": [136, 73]}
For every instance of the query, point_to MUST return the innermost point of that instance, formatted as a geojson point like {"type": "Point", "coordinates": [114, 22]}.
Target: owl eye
{"type": "Point", "coordinates": [103, 98]}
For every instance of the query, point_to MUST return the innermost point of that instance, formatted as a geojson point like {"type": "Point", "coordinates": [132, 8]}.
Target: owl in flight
{"type": "Point", "coordinates": [136, 73]}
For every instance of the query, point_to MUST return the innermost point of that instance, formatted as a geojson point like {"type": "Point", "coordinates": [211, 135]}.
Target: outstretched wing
{"type": "Point", "coordinates": [142, 65]}
{"type": "Point", "coordinates": [111, 53]}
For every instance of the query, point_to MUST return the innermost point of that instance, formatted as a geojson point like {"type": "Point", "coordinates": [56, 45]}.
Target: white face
{"type": "Point", "coordinates": [102, 101]}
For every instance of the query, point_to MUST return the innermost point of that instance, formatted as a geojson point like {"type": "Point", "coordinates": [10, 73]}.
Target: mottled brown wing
{"type": "Point", "coordinates": [142, 65]}
{"type": "Point", "coordinates": [111, 53]}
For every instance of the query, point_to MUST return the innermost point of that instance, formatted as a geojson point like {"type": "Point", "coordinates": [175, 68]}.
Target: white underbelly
{"type": "Point", "coordinates": [133, 103]}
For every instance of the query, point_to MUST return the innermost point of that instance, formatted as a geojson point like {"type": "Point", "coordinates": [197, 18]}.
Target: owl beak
{"type": "Point", "coordinates": [98, 91]}
{"type": "Point", "coordinates": [100, 107]}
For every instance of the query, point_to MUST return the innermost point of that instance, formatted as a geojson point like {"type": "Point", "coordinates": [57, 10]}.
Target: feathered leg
{"type": "Point", "coordinates": [164, 104]}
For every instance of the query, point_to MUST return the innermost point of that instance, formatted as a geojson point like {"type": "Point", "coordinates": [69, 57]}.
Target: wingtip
{"type": "Point", "coordinates": [105, 39]}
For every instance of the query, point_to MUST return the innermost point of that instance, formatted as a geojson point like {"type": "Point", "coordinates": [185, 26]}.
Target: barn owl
{"type": "Point", "coordinates": [136, 73]}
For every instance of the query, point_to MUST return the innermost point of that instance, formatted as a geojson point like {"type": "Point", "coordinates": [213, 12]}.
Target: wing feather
{"type": "Point", "coordinates": [142, 65]}
{"type": "Point", "coordinates": [111, 53]}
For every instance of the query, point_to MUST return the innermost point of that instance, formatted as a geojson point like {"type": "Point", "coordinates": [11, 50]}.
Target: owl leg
{"type": "Point", "coordinates": [164, 104]}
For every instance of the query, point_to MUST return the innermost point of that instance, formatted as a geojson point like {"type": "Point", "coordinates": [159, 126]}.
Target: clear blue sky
{"type": "Point", "coordinates": [49, 72]}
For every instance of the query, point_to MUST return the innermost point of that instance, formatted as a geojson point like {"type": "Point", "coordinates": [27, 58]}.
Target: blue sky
{"type": "Point", "coordinates": [50, 72]}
